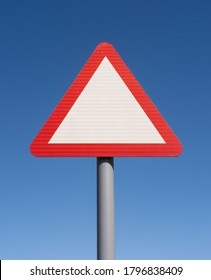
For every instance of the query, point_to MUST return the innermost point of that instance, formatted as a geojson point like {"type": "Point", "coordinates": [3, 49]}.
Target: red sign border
{"type": "Point", "coordinates": [41, 146]}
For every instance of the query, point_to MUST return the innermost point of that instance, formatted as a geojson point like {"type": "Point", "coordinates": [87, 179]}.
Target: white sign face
{"type": "Point", "coordinates": [106, 112]}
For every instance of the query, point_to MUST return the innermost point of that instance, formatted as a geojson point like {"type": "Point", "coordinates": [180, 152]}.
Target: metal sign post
{"type": "Point", "coordinates": [105, 209]}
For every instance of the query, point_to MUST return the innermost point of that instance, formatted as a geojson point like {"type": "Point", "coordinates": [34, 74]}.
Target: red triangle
{"type": "Point", "coordinates": [41, 146]}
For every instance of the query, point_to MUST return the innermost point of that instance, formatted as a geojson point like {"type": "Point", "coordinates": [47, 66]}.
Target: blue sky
{"type": "Point", "coordinates": [48, 205]}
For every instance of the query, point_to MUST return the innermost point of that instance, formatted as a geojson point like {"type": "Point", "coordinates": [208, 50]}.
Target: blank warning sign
{"type": "Point", "coordinates": [106, 112]}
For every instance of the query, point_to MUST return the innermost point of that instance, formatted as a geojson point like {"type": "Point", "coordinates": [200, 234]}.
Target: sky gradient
{"type": "Point", "coordinates": [48, 205]}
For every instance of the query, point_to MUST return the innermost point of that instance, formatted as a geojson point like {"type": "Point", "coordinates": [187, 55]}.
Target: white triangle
{"type": "Point", "coordinates": [106, 112]}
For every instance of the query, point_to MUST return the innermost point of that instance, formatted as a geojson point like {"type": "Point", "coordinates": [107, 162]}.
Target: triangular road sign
{"type": "Point", "coordinates": [106, 113]}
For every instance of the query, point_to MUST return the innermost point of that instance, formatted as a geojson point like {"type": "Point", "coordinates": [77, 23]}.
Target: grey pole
{"type": "Point", "coordinates": [105, 209]}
